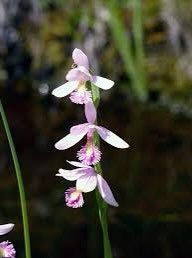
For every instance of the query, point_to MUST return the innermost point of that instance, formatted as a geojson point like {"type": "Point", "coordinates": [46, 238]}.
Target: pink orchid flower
{"type": "Point", "coordinates": [77, 78]}
{"type": "Point", "coordinates": [79, 131]}
{"type": "Point", "coordinates": [5, 228]}
{"type": "Point", "coordinates": [86, 181]}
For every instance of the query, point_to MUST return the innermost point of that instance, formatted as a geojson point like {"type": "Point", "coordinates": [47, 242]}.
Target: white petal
{"type": "Point", "coordinates": [79, 129]}
{"type": "Point", "coordinates": [68, 141]}
{"type": "Point", "coordinates": [4, 229]}
{"type": "Point", "coordinates": [65, 89]}
{"type": "Point", "coordinates": [90, 112]}
{"type": "Point", "coordinates": [87, 183]}
{"type": "Point", "coordinates": [111, 138]}
{"type": "Point", "coordinates": [102, 82]}
{"type": "Point", "coordinates": [78, 164]}
{"type": "Point", "coordinates": [71, 175]}
{"type": "Point", "coordinates": [105, 191]}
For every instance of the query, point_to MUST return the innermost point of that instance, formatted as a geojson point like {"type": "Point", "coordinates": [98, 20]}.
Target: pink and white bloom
{"type": "Point", "coordinates": [79, 131]}
{"type": "Point", "coordinates": [77, 78]}
{"type": "Point", "coordinates": [5, 228]}
{"type": "Point", "coordinates": [86, 181]}
{"type": "Point", "coordinates": [7, 250]}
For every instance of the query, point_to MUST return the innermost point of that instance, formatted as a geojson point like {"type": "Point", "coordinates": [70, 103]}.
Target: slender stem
{"type": "Point", "coordinates": [103, 218]}
{"type": "Point", "coordinates": [20, 184]}
{"type": "Point", "coordinates": [102, 206]}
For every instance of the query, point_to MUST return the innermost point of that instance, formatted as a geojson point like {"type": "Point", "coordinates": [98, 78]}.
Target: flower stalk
{"type": "Point", "coordinates": [88, 173]}
{"type": "Point", "coordinates": [19, 182]}
{"type": "Point", "coordinates": [102, 206]}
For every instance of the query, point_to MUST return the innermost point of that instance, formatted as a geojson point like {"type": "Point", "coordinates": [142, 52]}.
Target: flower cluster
{"type": "Point", "coordinates": [87, 179]}
{"type": "Point", "coordinates": [6, 248]}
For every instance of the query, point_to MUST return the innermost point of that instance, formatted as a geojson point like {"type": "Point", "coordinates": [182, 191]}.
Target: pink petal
{"type": "Point", "coordinates": [78, 164]}
{"type": "Point", "coordinates": [79, 129]}
{"type": "Point", "coordinates": [68, 141]}
{"type": "Point", "coordinates": [80, 74]}
{"type": "Point", "coordinates": [102, 82]}
{"type": "Point", "coordinates": [71, 175]}
{"type": "Point", "coordinates": [5, 228]}
{"type": "Point", "coordinates": [80, 58]}
{"type": "Point", "coordinates": [74, 198]}
{"type": "Point", "coordinates": [111, 138]}
{"type": "Point", "coordinates": [90, 112]}
{"type": "Point", "coordinates": [85, 71]}
{"type": "Point", "coordinates": [72, 74]}
{"type": "Point", "coordinates": [87, 183]}
{"type": "Point", "coordinates": [65, 89]}
{"type": "Point", "coordinates": [105, 191]}
{"type": "Point", "coordinates": [89, 154]}
{"type": "Point", "coordinates": [80, 96]}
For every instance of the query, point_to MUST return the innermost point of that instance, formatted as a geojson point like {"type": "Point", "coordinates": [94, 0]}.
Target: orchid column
{"type": "Point", "coordinates": [83, 88]}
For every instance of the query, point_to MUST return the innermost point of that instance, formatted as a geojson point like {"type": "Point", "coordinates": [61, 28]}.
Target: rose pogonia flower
{"type": "Point", "coordinates": [7, 250]}
{"type": "Point", "coordinates": [77, 78]}
{"type": "Point", "coordinates": [79, 131]}
{"type": "Point", "coordinates": [5, 228]}
{"type": "Point", "coordinates": [86, 181]}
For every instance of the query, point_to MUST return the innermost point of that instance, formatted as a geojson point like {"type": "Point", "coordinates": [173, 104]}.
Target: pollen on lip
{"type": "Point", "coordinates": [81, 87]}
{"type": "Point", "coordinates": [89, 154]}
{"type": "Point", "coordinates": [74, 198]}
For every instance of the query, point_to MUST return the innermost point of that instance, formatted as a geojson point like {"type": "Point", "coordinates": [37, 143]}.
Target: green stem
{"type": "Point", "coordinates": [20, 184]}
{"type": "Point", "coordinates": [102, 206]}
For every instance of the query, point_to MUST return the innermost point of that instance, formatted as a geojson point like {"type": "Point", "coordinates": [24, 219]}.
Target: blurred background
{"type": "Point", "coordinates": [146, 48]}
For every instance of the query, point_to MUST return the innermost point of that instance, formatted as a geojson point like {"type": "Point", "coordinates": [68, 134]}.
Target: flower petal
{"type": "Point", "coordinates": [79, 129]}
{"type": "Point", "coordinates": [105, 191]}
{"type": "Point", "coordinates": [72, 75]}
{"type": "Point", "coordinates": [71, 175]}
{"type": "Point", "coordinates": [74, 198]}
{"type": "Point", "coordinates": [85, 71]}
{"type": "Point", "coordinates": [68, 141]}
{"type": "Point", "coordinates": [65, 89]}
{"type": "Point", "coordinates": [80, 74]}
{"type": "Point", "coordinates": [78, 164]}
{"type": "Point", "coordinates": [87, 183]}
{"type": "Point", "coordinates": [111, 138]}
{"type": "Point", "coordinates": [80, 58]}
{"type": "Point", "coordinates": [5, 228]}
{"type": "Point", "coordinates": [90, 112]}
{"type": "Point", "coordinates": [102, 82]}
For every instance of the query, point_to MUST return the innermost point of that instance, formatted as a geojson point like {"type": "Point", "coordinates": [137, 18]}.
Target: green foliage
{"type": "Point", "coordinates": [133, 62]}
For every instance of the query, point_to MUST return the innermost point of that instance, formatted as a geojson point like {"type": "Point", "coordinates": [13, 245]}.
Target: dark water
{"type": "Point", "coordinates": [151, 180]}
